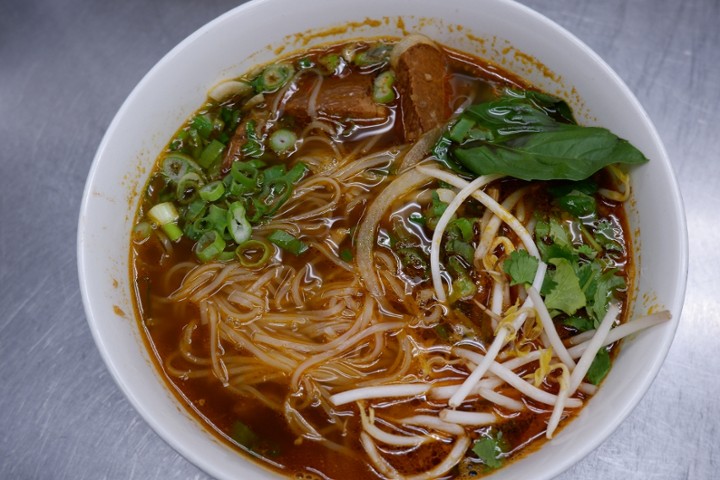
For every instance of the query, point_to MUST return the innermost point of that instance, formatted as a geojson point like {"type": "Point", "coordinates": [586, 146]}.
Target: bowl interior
{"type": "Point", "coordinates": [508, 34]}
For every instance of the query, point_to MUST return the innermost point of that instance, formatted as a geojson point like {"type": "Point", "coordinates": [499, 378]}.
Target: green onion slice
{"type": "Point", "coordinates": [210, 246]}
{"type": "Point", "coordinates": [278, 192]}
{"type": "Point", "coordinates": [203, 125]}
{"type": "Point", "coordinates": [211, 153]}
{"type": "Point", "coordinates": [274, 77]}
{"type": "Point", "coordinates": [383, 87]}
{"type": "Point", "coordinates": [282, 140]}
{"type": "Point", "coordinates": [166, 216]}
{"type": "Point", "coordinates": [254, 253]}
{"type": "Point", "coordinates": [238, 224]}
{"type": "Point", "coordinates": [177, 165]}
{"type": "Point", "coordinates": [287, 242]}
{"type": "Point", "coordinates": [212, 191]}
{"type": "Point", "coordinates": [187, 188]}
{"type": "Point", "coordinates": [141, 232]}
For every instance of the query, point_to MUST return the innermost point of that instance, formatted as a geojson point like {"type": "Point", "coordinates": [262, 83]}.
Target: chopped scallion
{"type": "Point", "coordinates": [212, 191]}
{"type": "Point", "coordinates": [282, 140]}
{"type": "Point", "coordinates": [141, 232]}
{"type": "Point", "coordinates": [383, 91]}
{"type": "Point", "coordinates": [287, 242]}
{"type": "Point", "coordinates": [187, 188]}
{"type": "Point", "coordinates": [237, 222]}
{"type": "Point", "coordinates": [203, 125]}
{"type": "Point", "coordinates": [210, 246]}
{"type": "Point", "coordinates": [211, 153]}
{"type": "Point", "coordinates": [273, 77]}
{"type": "Point", "coordinates": [177, 165]}
{"type": "Point", "coordinates": [166, 216]}
{"type": "Point", "coordinates": [346, 255]}
{"type": "Point", "coordinates": [253, 253]}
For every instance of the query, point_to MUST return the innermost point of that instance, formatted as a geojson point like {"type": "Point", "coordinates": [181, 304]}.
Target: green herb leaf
{"type": "Point", "coordinates": [243, 435]}
{"type": "Point", "coordinates": [253, 147]}
{"type": "Point", "coordinates": [521, 267]}
{"type": "Point", "coordinates": [607, 235]}
{"type": "Point", "coordinates": [567, 152]}
{"type": "Point", "coordinates": [490, 450]}
{"type": "Point", "coordinates": [566, 296]}
{"type": "Point", "coordinates": [608, 283]}
{"type": "Point", "coordinates": [346, 255]}
{"type": "Point", "coordinates": [599, 367]}
{"type": "Point", "coordinates": [434, 211]}
{"type": "Point", "coordinates": [577, 203]}
{"type": "Point", "coordinates": [532, 136]}
{"type": "Point", "coordinates": [581, 324]}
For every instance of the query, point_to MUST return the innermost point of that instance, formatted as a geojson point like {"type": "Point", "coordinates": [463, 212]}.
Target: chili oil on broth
{"type": "Point", "coordinates": [249, 414]}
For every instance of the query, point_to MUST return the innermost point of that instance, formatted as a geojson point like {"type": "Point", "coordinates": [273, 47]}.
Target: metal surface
{"type": "Point", "coordinates": [65, 68]}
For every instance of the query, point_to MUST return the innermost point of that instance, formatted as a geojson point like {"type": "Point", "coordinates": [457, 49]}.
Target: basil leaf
{"type": "Point", "coordinates": [560, 189]}
{"type": "Point", "coordinates": [559, 151]}
{"type": "Point", "coordinates": [530, 136]}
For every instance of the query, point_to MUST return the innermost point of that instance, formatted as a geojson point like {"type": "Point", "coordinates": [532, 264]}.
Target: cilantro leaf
{"type": "Point", "coordinates": [521, 267]}
{"type": "Point", "coordinates": [566, 296]}
{"type": "Point", "coordinates": [490, 450]}
{"type": "Point", "coordinates": [588, 275]}
{"type": "Point", "coordinates": [607, 285]}
{"type": "Point", "coordinates": [577, 203]}
{"type": "Point", "coordinates": [554, 240]}
{"type": "Point", "coordinates": [599, 367]}
{"type": "Point", "coordinates": [608, 236]}
{"type": "Point", "coordinates": [581, 324]}
{"type": "Point", "coordinates": [586, 251]}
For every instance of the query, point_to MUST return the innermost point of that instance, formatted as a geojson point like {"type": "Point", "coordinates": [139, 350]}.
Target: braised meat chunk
{"type": "Point", "coordinates": [337, 98]}
{"type": "Point", "coordinates": [421, 70]}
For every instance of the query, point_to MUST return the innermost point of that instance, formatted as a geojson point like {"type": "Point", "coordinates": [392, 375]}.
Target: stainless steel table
{"type": "Point", "coordinates": [65, 68]}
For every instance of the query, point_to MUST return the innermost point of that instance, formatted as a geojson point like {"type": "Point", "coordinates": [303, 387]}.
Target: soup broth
{"type": "Point", "coordinates": [317, 294]}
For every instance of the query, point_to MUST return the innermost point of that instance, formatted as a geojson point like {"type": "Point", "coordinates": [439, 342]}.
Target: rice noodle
{"type": "Point", "coordinates": [343, 346]}
{"type": "Point", "coordinates": [216, 351]}
{"type": "Point", "coordinates": [389, 438]}
{"type": "Point", "coordinates": [365, 239]}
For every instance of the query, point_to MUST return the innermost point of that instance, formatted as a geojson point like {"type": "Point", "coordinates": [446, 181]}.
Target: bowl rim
{"type": "Point", "coordinates": [177, 444]}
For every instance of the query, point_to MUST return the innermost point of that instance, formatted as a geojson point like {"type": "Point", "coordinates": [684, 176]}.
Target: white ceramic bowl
{"type": "Point", "coordinates": [505, 32]}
